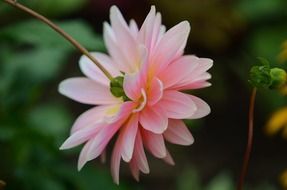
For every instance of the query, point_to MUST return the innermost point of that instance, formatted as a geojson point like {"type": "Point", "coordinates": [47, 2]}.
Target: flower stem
{"type": "Point", "coordinates": [16, 4]}
{"type": "Point", "coordinates": [249, 141]}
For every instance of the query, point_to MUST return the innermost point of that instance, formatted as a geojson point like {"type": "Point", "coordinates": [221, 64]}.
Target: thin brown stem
{"type": "Point", "coordinates": [16, 4]}
{"type": "Point", "coordinates": [249, 141]}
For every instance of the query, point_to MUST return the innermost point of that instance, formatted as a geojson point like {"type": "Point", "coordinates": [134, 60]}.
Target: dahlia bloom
{"type": "Point", "coordinates": [143, 104]}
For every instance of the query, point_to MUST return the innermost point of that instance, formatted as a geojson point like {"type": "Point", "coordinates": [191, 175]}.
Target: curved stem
{"type": "Point", "coordinates": [61, 32]}
{"type": "Point", "coordinates": [249, 141]}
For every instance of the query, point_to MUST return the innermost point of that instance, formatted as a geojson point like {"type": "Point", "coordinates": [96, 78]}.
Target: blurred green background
{"type": "Point", "coordinates": [35, 119]}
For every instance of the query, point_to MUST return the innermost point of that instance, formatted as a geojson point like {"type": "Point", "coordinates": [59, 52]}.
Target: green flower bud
{"type": "Point", "coordinates": [278, 78]}
{"type": "Point", "coordinates": [260, 76]}
{"type": "Point", "coordinates": [116, 88]}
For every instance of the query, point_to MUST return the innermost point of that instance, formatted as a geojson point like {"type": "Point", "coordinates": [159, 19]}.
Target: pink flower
{"type": "Point", "coordinates": [150, 106]}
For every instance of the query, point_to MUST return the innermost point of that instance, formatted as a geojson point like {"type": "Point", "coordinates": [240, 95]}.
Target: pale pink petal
{"type": "Point", "coordinates": [134, 169]}
{"type": "Point", "coordinates": [155, 32]}
{"type": "Point", "coordinates": [90, 117]}
{"type": "Point", "coordinates": [116, 161]}
{"type": "Point", "coordinates": [154, 143]}
{"type": "Point", "coordinates": [168, 159]}
{"type": "Point", "coordinates": [139, 155]}
{"type": "Point", "coordinates": [153, 119]}
{"type": "Point", "coordinates": [178, 70]}
{"type": "Point", "coordinates": [83, 158]}
{"type": "Point", "coordinates": [193, 85]}
{"type": "Point", "coordinates": [132, 85]}
{"type": "Point", "coordinates": [155, 91]}
{"type": "Point", "coordinates": [204, 65]}
{"type": "Point", "coordinates": [134, 82]}
{"type": "Point", "coordinates": [90, 69]}
{"type": "Point", "coordinates": [143, 64]}
{"type": "Point", "coordinates": [199, 74]}
{"type": "Point", "coordinates": [162, 31]}
{"type": "Point", "coordinates": [202, 110]}
{"type": "Point", "coordinates": [128, 135]}
{"type": "Point", "coordinates": [87, 91]}
{"type": "Point", "coordinates": [101, 140]}
{"type": "Point", "coordinates": [178, 133]}
{"type": "Point", "coordinates": [114, 49]}
{"type": "Point", "coordinates": [125, 38]}
{"type": "Point", "coordinates": [171, 43]}
{"type": "Point", "coordinates": [80, 136]}
{"type": "Point", "coordinates": [177, 105]}
{"type": "Point", "coordinates": [146, 31]}
{"type": "Point", "coordinates": [134, 28]}
{"type": "Point", "coordinates": [103, 156]}
{"type": "Point", "coordinates": [141, 106]}
{"type": "Point", "coordinates": [124, 146]}
{"type": "Point", "coordinates": [149, 33]}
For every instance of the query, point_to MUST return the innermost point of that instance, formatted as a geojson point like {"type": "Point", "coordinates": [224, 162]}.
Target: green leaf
{"type": "Point", "coordinates": [49, 8]}
{"type": "Point", "coordinates": [35, 33]}
{"type": "Point", "coordinates": [39, 64]}
{"type": "Point", "coordinates": [267, 41]}
{"type": "Point", "coordinates": [50, 119]}
{"type": "Point", "coordinates": [258, 9]}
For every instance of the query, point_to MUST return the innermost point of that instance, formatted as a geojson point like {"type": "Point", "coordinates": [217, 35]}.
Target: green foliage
{"type": "Point", "coordinates": [33, 124]}
{"type": "Point", "coordinates": [265, 77]}
{"type": "Point", "coordinates": [35, 33]}
{"type": "Point", "coordinates": [51, 8]}
{"type": "Point", "coordinates": [259, 9]}
{"type": "Point", "coordinates": [260, 76]}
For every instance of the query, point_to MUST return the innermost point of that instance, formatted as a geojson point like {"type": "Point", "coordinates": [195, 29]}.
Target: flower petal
{"type": "Point", "coordinates": [83, 158]}
{"type": "Point", "coordinates": [102, 138]}
{"type": "Point", "coordinates": [178, 133]}
{"type": "Point", "coordinates": [155, 92]}
{"type": "Point", "coordinates": [80, 136]}
{"type": "Point", "coordinates": [90, 117]}
{"type": "Point", "coordinates": [145, 33]}
{"type": "Point", "coordinates": [132, 86]}
{"type": "Point", "coordinates": [134, 28]}
{"type": "Point", "coordinates": [139, 155]}
{"type": "Point", "coordinates": [114, 49]}
{"type": "Point", "coordinates": [178, 70]}
{"type": "Point", "coordinates": [128, 135]}
{"type": "Point", "coordinates": [87, 91]}
{"type": "Point", "coordinates": [173, 41]}
{"type": "Point", "coordinates": [123, 111]}
{"type": "Point", "coordinates": [141, 106]}
{"type": "Point", "coordinates": [198, 75]}
{"type": "Point", "coordinates": [202, 110]}
{"type": "Point", "coordinates": [124, 38]}
{"type": "Point", "coordinates": [152, 119]}
{"type": "Point", "coordinates": [91, 70]}
{"type": "Point", "coordinates": [134, 82]}
{"type": "Point", "coordinates": [116, 161]}
{"type": "Point", "coordinates": [177, 105]}
{"type": "Point", "coordinates": [154, 143]}
{"type": "Point", "coordinates": [134, 169]}
{"type": "Point", "coordinates": [168, 159]}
